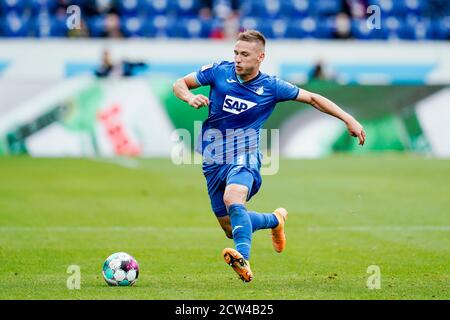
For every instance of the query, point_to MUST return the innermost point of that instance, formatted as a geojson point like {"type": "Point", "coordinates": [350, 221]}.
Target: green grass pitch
{"type": "Point", "coordinates": [345, 214]}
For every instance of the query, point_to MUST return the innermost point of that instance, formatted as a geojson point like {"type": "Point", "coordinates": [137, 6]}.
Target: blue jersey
{"type": "Point", "coordinates": [237, 111]}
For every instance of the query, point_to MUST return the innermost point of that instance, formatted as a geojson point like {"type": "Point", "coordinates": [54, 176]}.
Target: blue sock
{"type": "Point", "coordinates": [242, 229]}
{"type": "Point", "coordinates": [262, 220]}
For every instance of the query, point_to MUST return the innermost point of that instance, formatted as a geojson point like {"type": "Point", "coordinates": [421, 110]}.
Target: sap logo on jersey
{"type": "Point", "coordinates": [236, 105]}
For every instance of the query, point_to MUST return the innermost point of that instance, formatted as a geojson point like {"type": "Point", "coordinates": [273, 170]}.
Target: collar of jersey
{"type": "Point", "coordinates": [246, 82]}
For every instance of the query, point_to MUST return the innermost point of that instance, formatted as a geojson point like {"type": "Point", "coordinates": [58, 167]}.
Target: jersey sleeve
{"type": "Point", "coordinates": [205, 75]}
{"type": "Point", "coordinates": [285, 90]}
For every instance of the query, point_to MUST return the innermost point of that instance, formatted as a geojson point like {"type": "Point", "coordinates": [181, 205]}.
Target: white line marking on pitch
{"type": "Point", "coordinates": [199, 229]}
{"type": "Point", "coordinates": [104, 229]}
{"type": "Point", "coordinates": [380, 228]}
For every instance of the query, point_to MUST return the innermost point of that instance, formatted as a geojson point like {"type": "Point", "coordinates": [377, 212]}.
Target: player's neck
{"type": "Point", "coordinates": [247, 78]}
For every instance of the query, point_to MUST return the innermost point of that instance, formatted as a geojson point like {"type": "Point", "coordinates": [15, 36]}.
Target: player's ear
{"type": "Point", "coordinates": [261, 56]}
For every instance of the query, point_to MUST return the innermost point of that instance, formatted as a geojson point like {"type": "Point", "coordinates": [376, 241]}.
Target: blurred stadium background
{"type": "Point", "coordinates": [64, 91]}
{"type": "Point", "coordinates": [104, 90]}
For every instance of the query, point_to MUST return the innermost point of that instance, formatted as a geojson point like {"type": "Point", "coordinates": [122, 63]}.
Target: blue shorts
{"type": "Point", "coordinates": [218, 176]}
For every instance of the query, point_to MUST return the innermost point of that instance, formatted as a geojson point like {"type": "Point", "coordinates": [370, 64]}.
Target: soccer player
{"type": "Point", "coordinates": [240, 101]}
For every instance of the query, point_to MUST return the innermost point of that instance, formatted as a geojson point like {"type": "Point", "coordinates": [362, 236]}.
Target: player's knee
{"type": "Point", "coordinates": [228, 199]}
{"type": "Point", "coordinates": [234, 196]}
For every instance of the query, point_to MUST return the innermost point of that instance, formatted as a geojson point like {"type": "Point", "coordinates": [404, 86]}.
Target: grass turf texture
{"type": "Point", "coordinates": [346, 213]}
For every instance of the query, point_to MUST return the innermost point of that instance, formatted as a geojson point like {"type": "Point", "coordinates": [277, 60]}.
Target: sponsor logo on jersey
{"type": "Point", "coordinates": [231, 81]}
{"type": "Point", "coordinates": [235, 105]}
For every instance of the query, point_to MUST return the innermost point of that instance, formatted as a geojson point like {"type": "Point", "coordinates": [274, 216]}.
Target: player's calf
{"type": "Point", "coordinates": [225, 224]}
{"type": "Point", "coordinates": [228, 233]}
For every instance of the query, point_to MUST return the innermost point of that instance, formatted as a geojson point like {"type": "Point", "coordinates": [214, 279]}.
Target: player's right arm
{"type": "Point", "coordinates": [287, 91]}
{"type": "Point", "coordinates": [182, 90]}
{"type": "Point", "coordinates": [327, 106]}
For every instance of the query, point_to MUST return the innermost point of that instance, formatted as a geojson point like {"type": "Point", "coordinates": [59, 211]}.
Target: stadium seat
{"type": "Point", "coordinates": [160, 26]}
{"type": "Point", "coordinates": [127, 8]}
{"type": "Point", "coordinates": [410, 28]}
{"type": "Point", "coordinates": [419, 30]}
{"type": "Point", "coordinates": [402, 19]}
{"type": "Point", "coordinates": [388, 7]}
{"type": "Point", "coordinates": [186, 8]}
{"type": "Point", "coordinates": [279, 29]}
{"type": "Point", "coordinates": [15, 25]}
{"type": "Point", "coordinates": [155, 7]}
{"type": "Point", "coordinates": [247, 23]}
{"type": "Point", "coordinates": [192, 28]}
{"type": "Point", "coordinates": [391, 27]}
{"type": "Point", "coordinates": [267, 9]}
{"type": "Point", "coordinates": [47, 26]}
{"type": "Point", "coordinates": [327, 27]}
{"type": "Point", "coordinates": [222, 8]}
{"type": "Point", "coordinates": [327, 7]}
{"type": "Point", "coordinates": [97, 27]}
{"type": "Point", "coordinates": [246, 8]}
{"type": "Point", "coordinates": [310, 27]}
{"type": "Point", "coordinates": [13, 6]}
{"type": "Point", "coordinates": [103, 6]}
{"type": "Point", "coordinates": [295, 8]}
{"type": "Point", "coordinates": [361, 31]}
{"type": "Point", "coordinates": [441, 28]}
{"type": "Point", "coordinates": [439, 8]}
{"type": "Point", "coordinates": [132, 26]}
{"type": "Point", "coordinates": [417, 7]}
{"type": "Point", "coordinates": [274, 29]}
{"type": "Point", "coordinates": [43, 6]}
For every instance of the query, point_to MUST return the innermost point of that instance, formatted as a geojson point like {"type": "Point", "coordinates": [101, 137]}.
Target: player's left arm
{"type": "Point", "coordinates": [327, 106]}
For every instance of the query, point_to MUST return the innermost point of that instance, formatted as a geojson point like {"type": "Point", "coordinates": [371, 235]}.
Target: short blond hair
{"type": "Point", "coordinates": [252, 36]}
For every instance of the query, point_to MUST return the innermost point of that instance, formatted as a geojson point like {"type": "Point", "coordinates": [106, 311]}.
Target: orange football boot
{"type": "Point", "coordinates": [278, 234]}
{"type": "Point", "coordinates": [238, 263]}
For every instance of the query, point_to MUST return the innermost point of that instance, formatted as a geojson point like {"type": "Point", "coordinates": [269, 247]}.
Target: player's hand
{"type": "Point", "coordinates": [198, 101]}
{"type": "Point", "coordinates": [356, 130]}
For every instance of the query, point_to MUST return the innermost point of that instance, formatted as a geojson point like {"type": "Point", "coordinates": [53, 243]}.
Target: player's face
{"type": "Point", "coordinates": [247, 57]}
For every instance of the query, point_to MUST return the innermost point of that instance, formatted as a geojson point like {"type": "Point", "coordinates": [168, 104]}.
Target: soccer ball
{"type": "Point", "coordinates": [120, 269]}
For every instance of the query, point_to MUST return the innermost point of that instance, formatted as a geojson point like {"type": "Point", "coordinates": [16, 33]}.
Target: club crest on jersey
{"type": "Point", "coordinates": [260, 91]}
{"type": "Point", "coordinates": [236, 105]}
